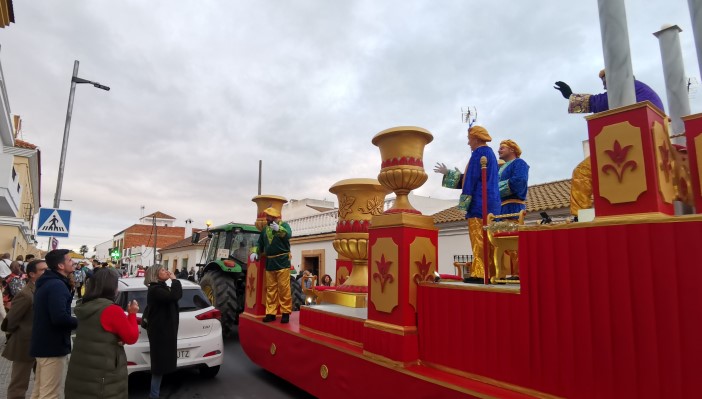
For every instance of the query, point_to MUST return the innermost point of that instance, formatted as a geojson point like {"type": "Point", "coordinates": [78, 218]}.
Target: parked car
{"type": "Point", "coordinates": [199, 332]}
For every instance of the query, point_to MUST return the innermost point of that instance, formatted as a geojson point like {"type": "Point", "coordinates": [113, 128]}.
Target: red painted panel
{"type": "Point", "coordinates": [404, 314]}
{"type": "Point", "coordinates": [342, 327]}
{"type": "Point", "coordinates": [606, 312]}
{"type": "Point", "coordinates": [649, 201]}
{"type": "Point", "coordinates": [300, 355]}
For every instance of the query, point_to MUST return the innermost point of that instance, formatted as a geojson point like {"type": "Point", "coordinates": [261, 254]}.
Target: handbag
{"type": "Point", "coordinates": [145, 319]}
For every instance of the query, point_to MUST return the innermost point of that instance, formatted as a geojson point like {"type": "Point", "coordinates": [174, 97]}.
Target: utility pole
{"type": "Point", "coordinates": [155, 238]}
{"type": "Point", "coordinates": [66, 129]}
{"type": "Point", "coordinates": [260, 167]}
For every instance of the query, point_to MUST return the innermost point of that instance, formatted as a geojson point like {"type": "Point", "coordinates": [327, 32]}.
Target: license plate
{"type": "Point", "coordinates": [183, 354]}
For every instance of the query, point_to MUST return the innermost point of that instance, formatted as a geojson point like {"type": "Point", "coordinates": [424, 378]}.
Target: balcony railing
{"type": "Point", "coordinates": [324, 222]}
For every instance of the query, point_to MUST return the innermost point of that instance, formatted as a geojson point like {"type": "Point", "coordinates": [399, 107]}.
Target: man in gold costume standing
{"type": "Point", "coordinates": [472, 196]}
{"type": "Point", "coordinates": [274, 242]}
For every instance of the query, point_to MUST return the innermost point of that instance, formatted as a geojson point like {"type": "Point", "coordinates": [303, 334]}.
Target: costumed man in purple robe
{"type": "Point", "coordinates": [581, 185]}
{"type": "Point", "coordinates": [472, 199]}
{"type": "Point", "coordinates": [513, 179]}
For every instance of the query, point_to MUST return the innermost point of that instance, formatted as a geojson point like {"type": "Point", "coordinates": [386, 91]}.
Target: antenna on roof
{"type": "Point", "coordinates": [142, 211]}
{"type": "Point", "coordinates": [469, 115]}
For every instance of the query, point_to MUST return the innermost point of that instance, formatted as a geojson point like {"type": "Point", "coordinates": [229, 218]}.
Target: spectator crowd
{"type": "Point", "coordinates": [38, 323]}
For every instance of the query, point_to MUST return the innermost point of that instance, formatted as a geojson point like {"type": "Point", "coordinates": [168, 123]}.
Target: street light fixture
{"type": "Point", "coordinates": [69, 113]}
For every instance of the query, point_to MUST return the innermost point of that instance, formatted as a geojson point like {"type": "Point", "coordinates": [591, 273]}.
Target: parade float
{"type": "Point", "coordinates": [608, 308]}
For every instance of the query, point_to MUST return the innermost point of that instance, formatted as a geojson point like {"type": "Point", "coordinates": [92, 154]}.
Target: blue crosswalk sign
{"type": "Point", "coordinates": [54, 222]}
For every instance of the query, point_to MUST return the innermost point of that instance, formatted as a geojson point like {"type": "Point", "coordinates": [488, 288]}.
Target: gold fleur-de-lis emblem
{"type": "Point", "coordinates": [251, 285]}
{"type": "Point", "coordinates": [424, 268]}
{"type": "Point", "coordinates": [382, 275]}
{"type": "Point", "coordinates": [618, 156]}
{"type": "Point", "coordinates": [666, 164]}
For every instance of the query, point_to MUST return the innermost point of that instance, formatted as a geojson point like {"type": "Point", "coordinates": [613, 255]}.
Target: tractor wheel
{"type": "Point", "coordinates": [220, 289]}
{"type": "Point", "coordinates": [298, 298]}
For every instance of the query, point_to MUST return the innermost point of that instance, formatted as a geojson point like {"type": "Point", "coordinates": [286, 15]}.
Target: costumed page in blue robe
{"type": "Point", "coordinates": [513, 176]}
{"type": "Point", "coordinates": [472, 183]}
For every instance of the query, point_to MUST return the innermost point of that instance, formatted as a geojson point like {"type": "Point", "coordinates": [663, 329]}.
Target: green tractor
{"type": "Point", "coordinates": [223, 271]}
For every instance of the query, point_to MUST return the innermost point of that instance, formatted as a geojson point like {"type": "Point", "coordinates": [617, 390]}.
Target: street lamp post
{"type": "Point", "coordinates": [69, 113]}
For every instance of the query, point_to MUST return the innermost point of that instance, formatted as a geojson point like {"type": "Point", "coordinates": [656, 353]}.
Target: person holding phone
{"type": "Point", "coordinates": [98, 365]}
{"type": "Point", "coordinates": [162, 314]}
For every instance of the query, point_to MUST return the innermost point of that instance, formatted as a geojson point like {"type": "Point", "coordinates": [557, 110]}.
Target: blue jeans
{"type": "Point", "coordinates": [155, 386]}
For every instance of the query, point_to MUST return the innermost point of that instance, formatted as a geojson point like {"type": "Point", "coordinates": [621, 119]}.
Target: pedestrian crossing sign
{"type": "Point", "coordinates": [54, 222]}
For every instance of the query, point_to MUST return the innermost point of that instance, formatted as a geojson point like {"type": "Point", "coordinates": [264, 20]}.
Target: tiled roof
{"type": "Point", "coordinates": [545, 196]}
{"type": "Point", "coordinates": [23, 144]}
{"type": "Point", "coordinates": [159, 215]}
{"type": "Point", "coordinates": [187, 242]}
{"type": "Point", "coordinates": [541, 197]}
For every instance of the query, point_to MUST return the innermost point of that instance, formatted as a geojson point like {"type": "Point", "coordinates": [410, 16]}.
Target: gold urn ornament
{"type": "Point", "coordinates": [402, 167]}
{"type": "Point", "coordinates": [267, 201]}
{"type": "Point", "coordinates": [359, 200]}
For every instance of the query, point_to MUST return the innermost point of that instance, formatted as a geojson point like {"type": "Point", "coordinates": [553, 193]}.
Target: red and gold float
{"type": "Point", "coordinates": [603, 309]}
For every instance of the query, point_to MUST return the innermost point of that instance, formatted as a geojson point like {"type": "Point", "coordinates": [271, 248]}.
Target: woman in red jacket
{"type": "Point", "coordinates": [98, 365]}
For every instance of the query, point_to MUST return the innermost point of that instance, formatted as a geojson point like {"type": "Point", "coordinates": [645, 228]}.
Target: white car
{"type": "Point", "coordinates": [199, 332]}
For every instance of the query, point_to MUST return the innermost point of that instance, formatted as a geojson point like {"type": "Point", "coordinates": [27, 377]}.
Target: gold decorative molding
{"type": "Point", "coordinates": [698, 148]}
{"type": "Point", "coordinates": [398, 366]}
{"type": "Point", "coordinates": [324, 371]}
{"type": "Point", "coordinates": [328, 335]}
{"type": "Point", "coordinates": [422, 266]}
{"type": "Point", "coordinates": [273, 349]}
{"type": "Point", "coordinates": [404, 220]}
{"type": "Point", "coordinates": [664, 162]}
{"type": "Point", "coordinates": [251, 277]}
{"type": "Point", "coordinates": [616, 220]}
{"type": "Point", "coordinates": [620, 163]}
{"type": "Point", "coordinates": [490, 381]}
{"type": "Point", "coordinates": [348, 299]}
{"type": "Point", "coordinates": [642, 104]}
{"type": "Point", "coordinates": [501, 289]}
{"type": "Point", "coordinates": [391, 328]}
{"type": "Point", "coordinates": [384, 291]}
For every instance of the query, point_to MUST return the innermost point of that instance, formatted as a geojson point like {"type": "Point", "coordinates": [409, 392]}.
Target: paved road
{"type": "Point", "coordinates": [238, 378]}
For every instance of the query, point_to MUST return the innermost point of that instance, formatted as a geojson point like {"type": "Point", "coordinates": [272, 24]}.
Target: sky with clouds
{"type": "Point", "coordinates": [203, 90]}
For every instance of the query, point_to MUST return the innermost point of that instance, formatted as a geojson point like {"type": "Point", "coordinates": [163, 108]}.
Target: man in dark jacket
{"type": "Point", "coordinates": [19, 329]}
{"type": "Point", "coordinates": [51, 333]}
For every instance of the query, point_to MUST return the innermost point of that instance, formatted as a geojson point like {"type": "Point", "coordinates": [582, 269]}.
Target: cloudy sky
{"type": "Point", "coordinates": [202, 90]}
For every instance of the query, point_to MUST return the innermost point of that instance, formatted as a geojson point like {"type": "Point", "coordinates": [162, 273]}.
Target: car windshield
{"type": "Point", "coordinates": [193, 299]}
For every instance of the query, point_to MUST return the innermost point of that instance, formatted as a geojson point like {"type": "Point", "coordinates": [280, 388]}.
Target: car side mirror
{"type": "Point", "coordinates": [195, 238]}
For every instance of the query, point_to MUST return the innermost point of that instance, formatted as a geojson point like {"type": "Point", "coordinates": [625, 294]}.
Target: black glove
{"type": "Point", "coordinates": [564, 89]}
